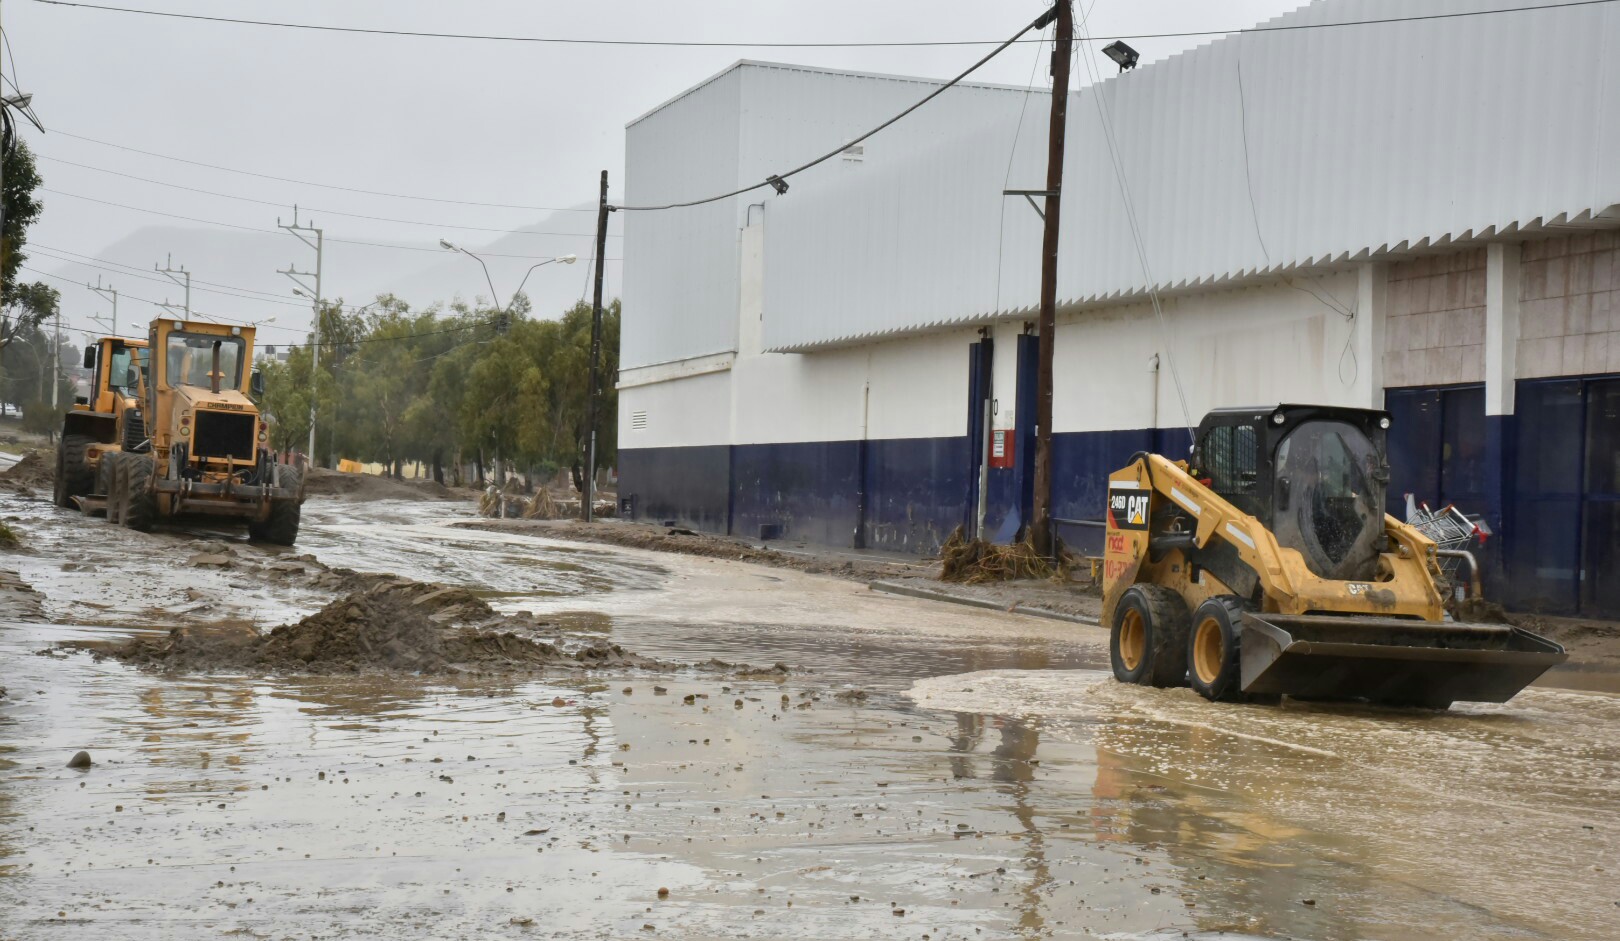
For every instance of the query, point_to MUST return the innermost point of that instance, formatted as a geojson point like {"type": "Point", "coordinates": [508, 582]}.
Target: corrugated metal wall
{"type": "Point", "coordinates": [680, 267]}
{"type": "Point", "coordinates": [1360, 138]}
{"type": "Point", "coordinates": [754, 119]}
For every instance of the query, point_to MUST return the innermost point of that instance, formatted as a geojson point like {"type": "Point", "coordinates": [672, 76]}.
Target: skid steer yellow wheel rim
{"type": "Point", "coordinates": [1132, 639]}
{"type": "Point", "coordinates": [1209, 650]}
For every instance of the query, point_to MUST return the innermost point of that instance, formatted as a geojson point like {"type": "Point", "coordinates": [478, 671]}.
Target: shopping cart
{"type": "Point", "coordinates": [1450, 529]}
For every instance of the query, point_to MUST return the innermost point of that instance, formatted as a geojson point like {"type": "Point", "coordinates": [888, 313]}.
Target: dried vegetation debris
{"type": "Point", "coordinates": [976, 561]}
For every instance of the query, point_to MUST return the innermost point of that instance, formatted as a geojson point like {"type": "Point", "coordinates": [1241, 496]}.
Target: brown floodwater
{"type": "Point", "coordinates": [992, 781]}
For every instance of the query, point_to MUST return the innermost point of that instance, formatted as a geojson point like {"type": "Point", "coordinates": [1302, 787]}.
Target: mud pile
{"type": "Point", "coordinates": [34, 471]}
{"type": "Point", "coordinates": [320, 482]}
{"type": "Point", "coordinates": [392, 625]}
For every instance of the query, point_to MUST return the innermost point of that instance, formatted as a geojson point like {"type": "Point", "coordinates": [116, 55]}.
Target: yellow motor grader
{"type": "Point", "coordinates": [106, 421]}
{"type": "Point", "coordinates": [203, 451]}
{"type": "Point", "coordinates": [1265, 565]}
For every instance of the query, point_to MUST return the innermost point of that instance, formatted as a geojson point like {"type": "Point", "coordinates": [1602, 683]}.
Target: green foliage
{"type": "Point", "coordinates": [446, 386]}
{"type": "Point", "coordinates": [22, 306]}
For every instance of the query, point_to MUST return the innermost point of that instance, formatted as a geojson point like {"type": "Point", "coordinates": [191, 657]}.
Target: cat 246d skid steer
{"type": "Point", "coordinates": [1265, 565]}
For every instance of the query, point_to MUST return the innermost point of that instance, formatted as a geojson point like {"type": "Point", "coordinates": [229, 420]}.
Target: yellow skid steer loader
{"type": "Point", "coordinates": [1265, 565]}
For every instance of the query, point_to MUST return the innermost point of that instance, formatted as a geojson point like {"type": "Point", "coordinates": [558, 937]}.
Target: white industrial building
{"type": "Point", "coordinates": [1421, 215]}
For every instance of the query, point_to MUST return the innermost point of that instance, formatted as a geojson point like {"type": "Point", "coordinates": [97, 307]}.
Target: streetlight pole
{"type": "Point", "coordinates": [503, 315]}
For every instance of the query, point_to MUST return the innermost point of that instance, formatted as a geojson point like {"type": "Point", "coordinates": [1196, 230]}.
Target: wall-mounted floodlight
{"type": "Point", "coordinates": [1124, 56]}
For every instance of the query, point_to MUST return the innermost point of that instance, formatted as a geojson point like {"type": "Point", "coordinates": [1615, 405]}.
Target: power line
{"type": "Point", "coordinates": [777, 181]}
{"type": "Point", "coordinates": [249, 228]}
{"type": "Point", "coordinates": [329, 186]}
{"type": "Point", "coordinates": [330, 212]}
{"type": "Point", "coordinates": [43, 252]}
{"type": "Point", "coordinates": [424, 34]}
{"type": "Point", "coordinates": [48, 249]}
{"type": "Point", "coordinates": [324, 344]}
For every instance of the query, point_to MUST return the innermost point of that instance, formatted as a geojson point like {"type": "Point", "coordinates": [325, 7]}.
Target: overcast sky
{"type": "Point", "coordinates": [521, 124]}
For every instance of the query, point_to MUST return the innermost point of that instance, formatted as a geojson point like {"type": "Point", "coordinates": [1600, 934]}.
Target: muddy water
{"type": "Point", "coordinates": [991, 783]}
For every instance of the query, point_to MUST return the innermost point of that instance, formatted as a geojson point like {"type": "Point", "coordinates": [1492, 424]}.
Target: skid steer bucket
{"type": "Point", "coordinates": [1390, 660]}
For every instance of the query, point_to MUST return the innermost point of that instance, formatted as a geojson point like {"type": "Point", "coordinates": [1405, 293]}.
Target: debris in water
{"type": "Point", "coordinates": [80, 760]}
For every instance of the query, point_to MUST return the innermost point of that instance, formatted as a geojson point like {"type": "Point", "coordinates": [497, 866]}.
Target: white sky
{"type": "Point", "coordinates": [509, 123]}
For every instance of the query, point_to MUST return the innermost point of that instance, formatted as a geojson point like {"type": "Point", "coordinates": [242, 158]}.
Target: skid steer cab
{"type": "Point", "coordinates": [1265, 565]}
{"type": "Point", "coordinates": [204, 452]}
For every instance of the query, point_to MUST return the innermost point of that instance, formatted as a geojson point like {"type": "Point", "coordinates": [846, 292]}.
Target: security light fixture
{"type": "Point", "coordinates": [1124, 56]}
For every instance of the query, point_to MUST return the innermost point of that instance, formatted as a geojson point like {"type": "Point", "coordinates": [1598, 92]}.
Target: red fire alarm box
{"type": "Point", "coordinates": [1001, 448]}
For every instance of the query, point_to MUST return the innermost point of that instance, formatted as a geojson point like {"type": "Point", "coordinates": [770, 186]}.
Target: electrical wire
{"type": "Point", "coordinates": [1248, 178]}
{"type": "Point", "coordinates": [1012, 152]}
{"type": "Point", "coordinates": [425, 34]}
{"type": "Point", "coordinates": [329, 186]}
{"type": "Point", "coordinates": [777, 180]}
{"type": "Point", "coordinates": [331, 212]}
{"type": "Point", "coordinates": [142, 272]}
{"type": "Point", "coordinates": [1136, 238]}
{"type": "Point", "coordinates": [41, 251]}
{"type": "Point", "coordinates": [324, 344]}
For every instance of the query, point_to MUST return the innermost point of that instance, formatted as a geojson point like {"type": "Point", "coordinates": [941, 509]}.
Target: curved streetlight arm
{"type": "Point", "coordinates": [565, 259]}
{"type": "Point", "coordinates": [494, 298]}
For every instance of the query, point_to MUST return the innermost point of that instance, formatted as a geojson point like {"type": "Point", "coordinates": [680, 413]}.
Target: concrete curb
{"type": "Point", "coordinates": [931, 594]}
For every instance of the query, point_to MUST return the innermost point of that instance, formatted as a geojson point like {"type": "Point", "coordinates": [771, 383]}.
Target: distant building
{"type": "Point", "coordinates": [1422, 216]}
{"type": "Point", "coordinates": [271, 354]}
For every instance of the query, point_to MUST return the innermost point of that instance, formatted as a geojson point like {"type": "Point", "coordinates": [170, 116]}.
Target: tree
{"type": "Point", "coordinates": [22, 306]}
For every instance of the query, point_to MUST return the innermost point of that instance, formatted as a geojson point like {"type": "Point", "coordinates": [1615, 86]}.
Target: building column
{"type": "Point", "coordinates": [1501, 374]}
{"type": "Point", "coordinates": [1367, 333]}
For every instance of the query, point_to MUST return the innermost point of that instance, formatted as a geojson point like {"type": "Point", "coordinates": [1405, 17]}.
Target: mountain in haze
{"type": "Point", "coordinates": [234, 273]}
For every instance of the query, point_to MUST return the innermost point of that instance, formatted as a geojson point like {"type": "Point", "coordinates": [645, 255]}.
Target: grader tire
{"type": "Point", "coordinates": [74, 478]}
{"type": "Point", "coordinates": [1147, 644]}
{"type": "Point", "coordinates": [140, 502]}
{"type": "Point", "coordinates": [281, 526]}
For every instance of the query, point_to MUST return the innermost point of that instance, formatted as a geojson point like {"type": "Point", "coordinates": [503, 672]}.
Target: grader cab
{"type": "Point", "coordinates": [1265, 565]}
{"type": "Point", "coordinates": [205, 452]}
{"type": "Point", "coordinates": [107, 421]}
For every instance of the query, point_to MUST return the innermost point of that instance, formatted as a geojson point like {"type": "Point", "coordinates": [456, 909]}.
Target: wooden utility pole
{"type": "Point", "coordinates": [1041, 525]}
{"type": "Point", "coordinates": [586, 510]}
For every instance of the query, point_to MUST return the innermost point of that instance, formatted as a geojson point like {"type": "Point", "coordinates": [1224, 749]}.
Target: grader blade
{"type": "Point", "coordinates": [1390, 660]}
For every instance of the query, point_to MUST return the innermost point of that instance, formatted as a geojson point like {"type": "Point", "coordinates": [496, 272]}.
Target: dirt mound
{"type": "Point", "coordinates": [393, 625]}
{"type": "Point", "coordinates": [36, 469]}
{"type": "Point", "coordinates": [320, 482]}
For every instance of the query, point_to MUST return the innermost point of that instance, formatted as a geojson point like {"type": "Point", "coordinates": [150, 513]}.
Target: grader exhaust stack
{"type": "Point", "coordinates": [1266, 566]}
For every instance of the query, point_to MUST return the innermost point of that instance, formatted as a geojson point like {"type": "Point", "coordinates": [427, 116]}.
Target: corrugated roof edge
{"type": "Point", "coordinates": [838, 73]}
{"type": "Point", "coordinates": [1546, 225]}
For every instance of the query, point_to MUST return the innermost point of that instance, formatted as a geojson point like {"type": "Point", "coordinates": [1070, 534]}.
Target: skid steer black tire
{"type": "Point", "coordinates": [281, 526]}
{"type": "Point", "coordinates": [112, 474]}
{"type": "Point", "coordinates": [140, 501]}
{"type": "Point", "coordinates": [1214, 650]}
{"type": "Point", "coordinates": [74, 478]}
{"type": "Point", "coordinates": [1147, 643]}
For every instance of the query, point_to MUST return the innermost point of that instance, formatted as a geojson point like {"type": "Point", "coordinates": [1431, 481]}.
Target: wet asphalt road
{"type": "Point", "coordinates": [991, 782]}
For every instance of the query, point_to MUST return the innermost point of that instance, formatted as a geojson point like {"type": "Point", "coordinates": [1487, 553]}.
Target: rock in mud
{"type": "Point", "coordinates": [80, 760]}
